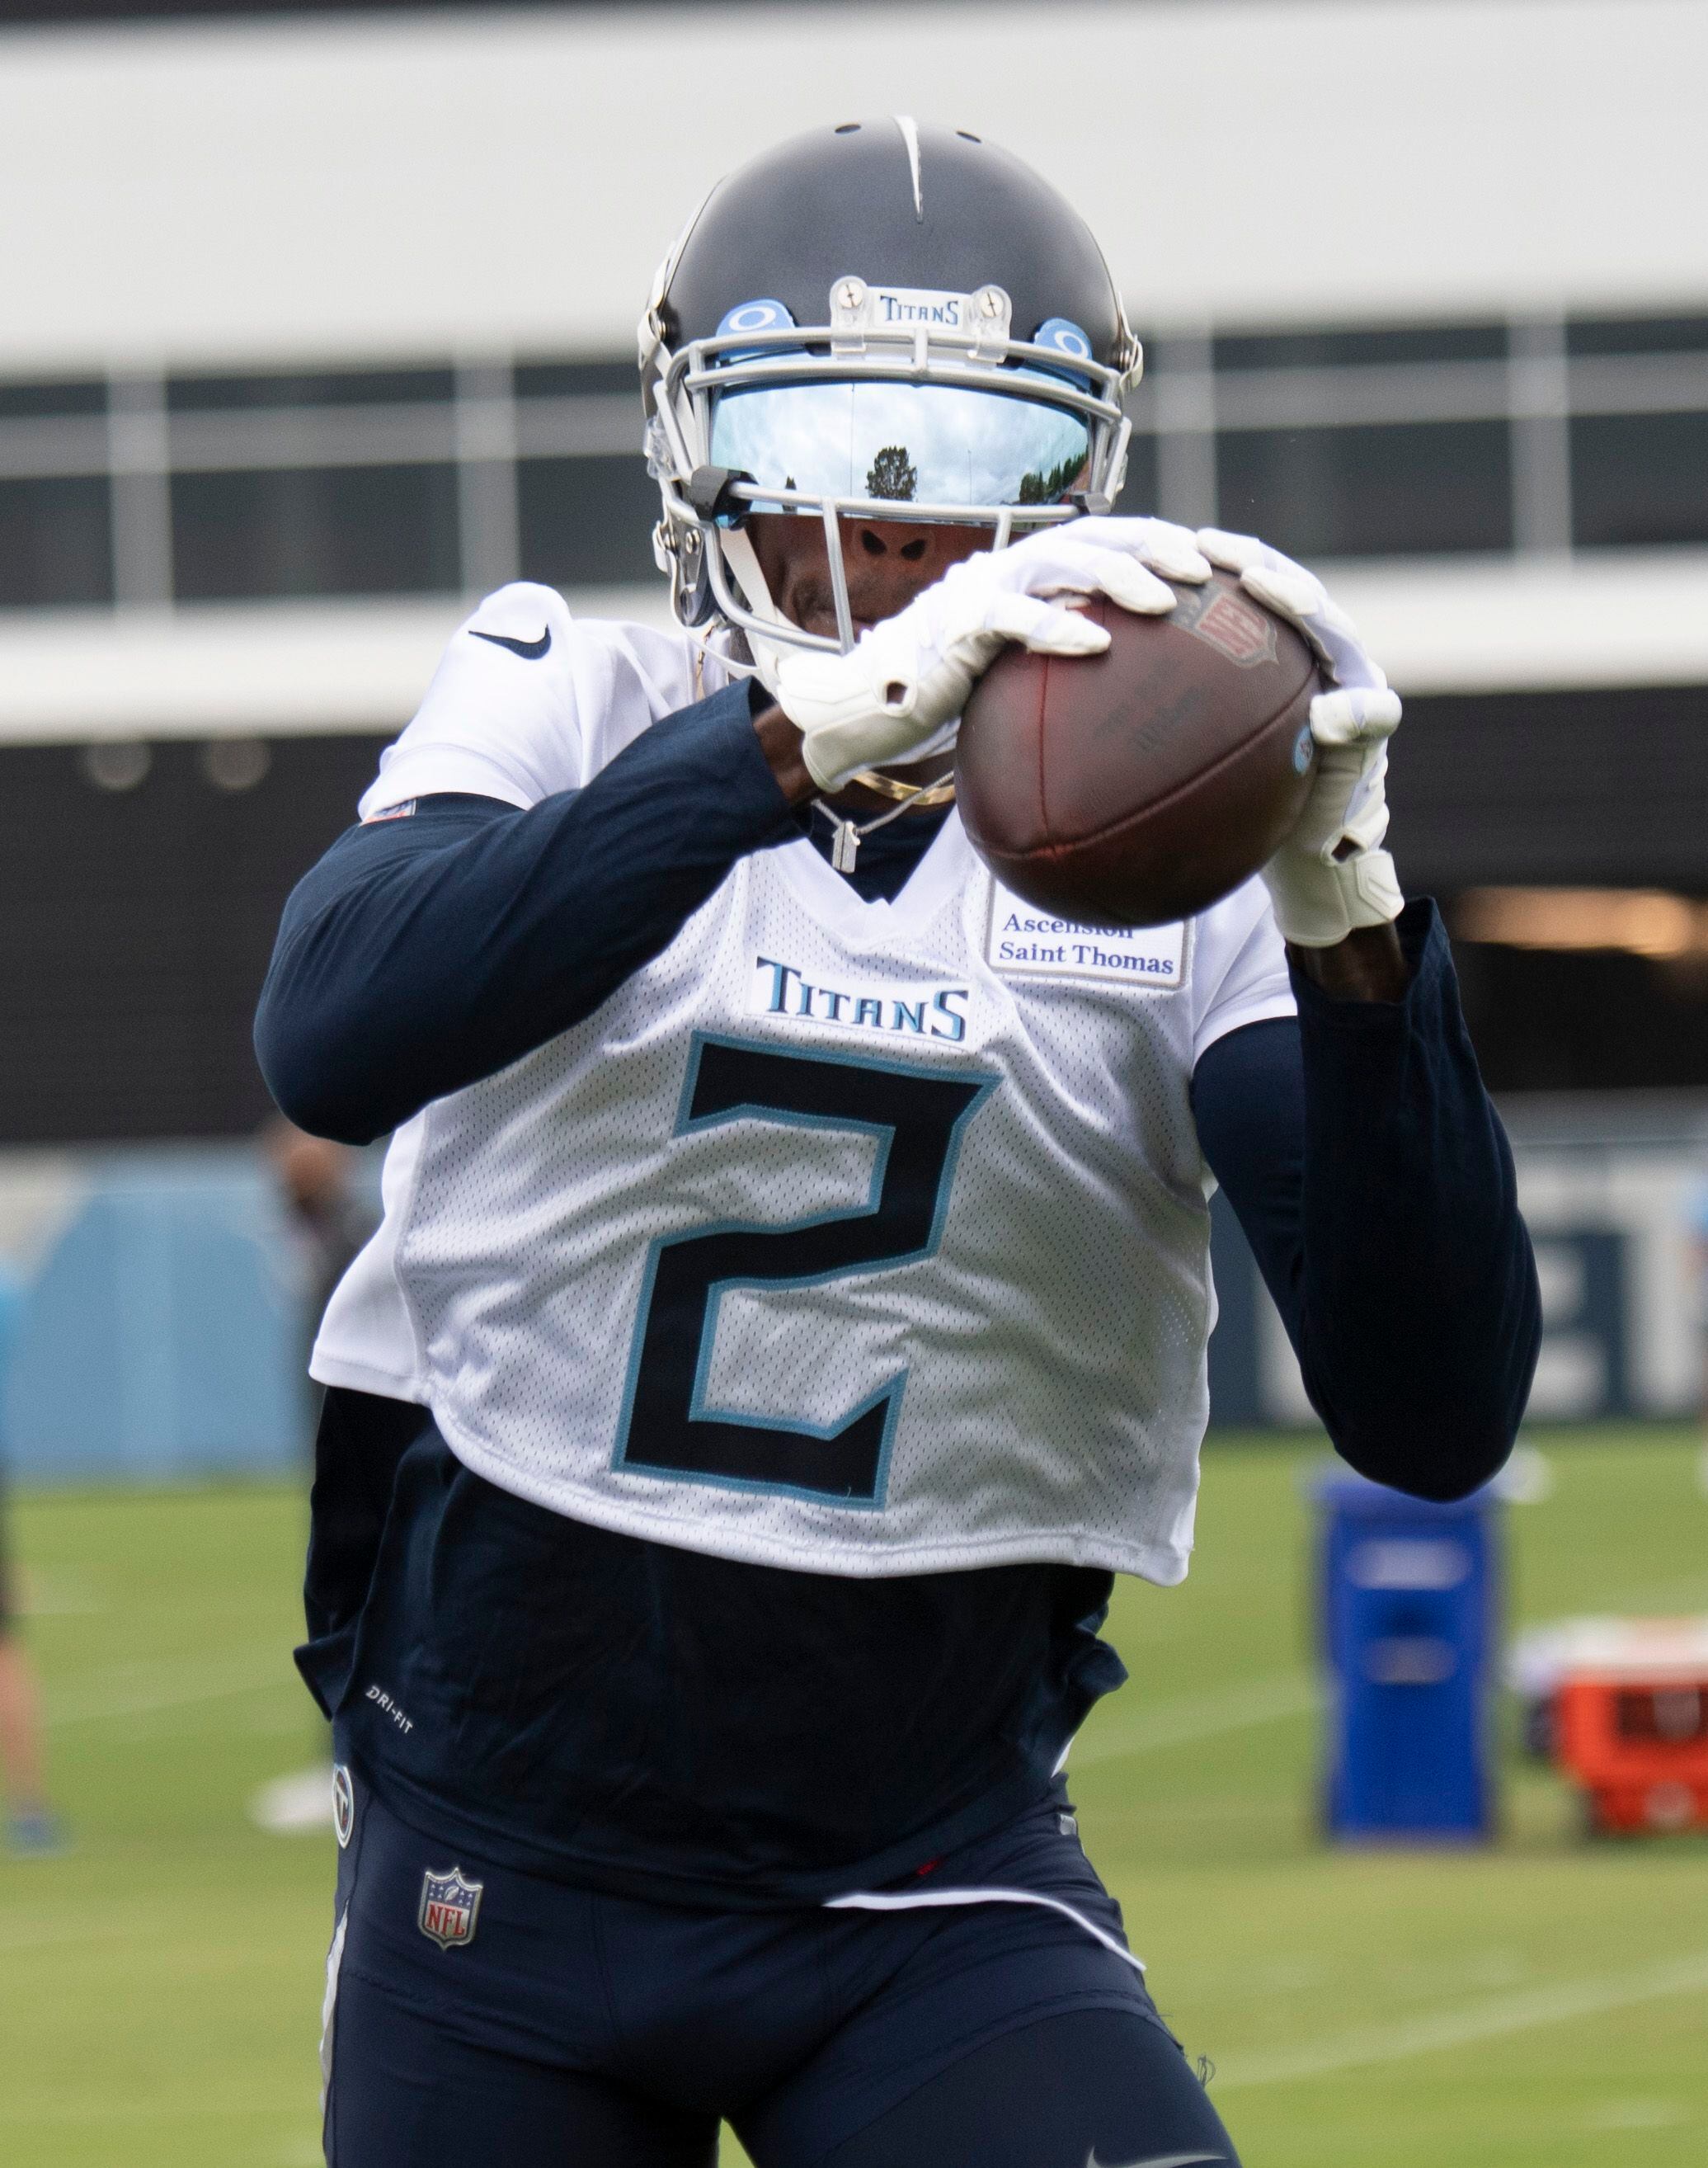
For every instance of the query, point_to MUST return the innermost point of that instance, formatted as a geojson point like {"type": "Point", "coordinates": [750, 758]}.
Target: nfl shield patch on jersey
{"type": "Point", "coordinates": [450, 1906]}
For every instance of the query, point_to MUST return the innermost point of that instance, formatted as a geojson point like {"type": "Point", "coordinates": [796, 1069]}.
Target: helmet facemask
{"type": "Point", "coordinates": [903, 405]}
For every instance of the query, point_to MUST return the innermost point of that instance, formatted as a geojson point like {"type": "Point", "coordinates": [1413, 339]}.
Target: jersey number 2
{"type": "Point", "coordinates": [915, 1120]}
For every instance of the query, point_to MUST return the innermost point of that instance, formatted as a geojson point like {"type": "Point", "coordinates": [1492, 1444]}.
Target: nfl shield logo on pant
{"type": "Point", "coordinates": [450, 1904]}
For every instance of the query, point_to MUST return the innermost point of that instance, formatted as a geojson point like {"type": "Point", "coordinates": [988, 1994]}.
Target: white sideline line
{"type": "Point", "coordinates": [1202, 1716]}
{"type": "Point", "coordinates": [141, 1689]}
{"type": "Point", "coordinates": [1458, 2028]}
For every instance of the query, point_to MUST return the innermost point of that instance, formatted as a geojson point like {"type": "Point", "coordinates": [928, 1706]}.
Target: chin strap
{"type": "Point", "coordinates": [742, 560]}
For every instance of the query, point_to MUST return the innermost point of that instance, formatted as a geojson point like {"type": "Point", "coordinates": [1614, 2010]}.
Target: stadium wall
{"type": "Point", "coordinates": [503, 178]}
{"type": "Point", "coordinates": [160, 1330]}
{"type": "Point", "coordinates": [478, 186]}
{"type": "Point", "coordinates": [1425, 290]}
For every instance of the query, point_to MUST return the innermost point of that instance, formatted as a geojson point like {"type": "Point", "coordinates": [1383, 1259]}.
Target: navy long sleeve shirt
{"type": "Point", "coordinates": [646, 1718]}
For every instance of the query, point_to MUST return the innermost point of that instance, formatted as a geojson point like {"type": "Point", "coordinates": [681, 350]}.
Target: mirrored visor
{"type": "Point", "coordinates": [919, 443]}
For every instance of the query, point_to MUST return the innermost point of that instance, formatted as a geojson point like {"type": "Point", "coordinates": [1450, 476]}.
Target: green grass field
{"type": "Point", "coordinates": [1539, 2006]}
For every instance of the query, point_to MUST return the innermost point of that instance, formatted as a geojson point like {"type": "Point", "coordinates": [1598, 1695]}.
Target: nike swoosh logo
{"type": "Point", "coordinates": [530, 651]}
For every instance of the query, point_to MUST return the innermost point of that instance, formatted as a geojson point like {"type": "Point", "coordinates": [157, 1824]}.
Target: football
{"type": "Point", "coordinates": [1137, 787]}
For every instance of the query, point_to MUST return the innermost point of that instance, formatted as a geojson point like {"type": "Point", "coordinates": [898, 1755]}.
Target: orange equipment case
{"type": "Point", "coordinates": [1630, 1729]}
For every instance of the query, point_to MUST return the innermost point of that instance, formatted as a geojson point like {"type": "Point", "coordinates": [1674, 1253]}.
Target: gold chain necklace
{"type": "Point", "coordinates": [845, 845]}
{"type": "Point", "coordinates": [910, 794]}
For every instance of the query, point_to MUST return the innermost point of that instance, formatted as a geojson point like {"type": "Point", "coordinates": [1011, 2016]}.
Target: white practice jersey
{"type": "Point", "coordinates": [862, 1238]}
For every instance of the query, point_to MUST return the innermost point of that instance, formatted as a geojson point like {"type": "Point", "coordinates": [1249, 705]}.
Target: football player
{"type": "Point", "coordinates": [33, 1827]}
{"type": "Point", "coordinates": [791, 1305]}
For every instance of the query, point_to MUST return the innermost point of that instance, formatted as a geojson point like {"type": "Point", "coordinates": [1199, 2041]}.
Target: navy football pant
{"type": "Point", "coordinates": [558, 2028]}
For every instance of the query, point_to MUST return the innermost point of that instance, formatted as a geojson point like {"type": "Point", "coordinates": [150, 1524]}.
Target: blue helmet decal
{"type": "Point", "coordinates": [760, 315]}
{"type": "Point", "coordinates": [1068, 339]}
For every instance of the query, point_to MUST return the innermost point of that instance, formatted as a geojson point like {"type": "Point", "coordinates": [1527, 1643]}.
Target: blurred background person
{"type": "Point", "coordinates": [328, 1218]}
{"type": "Point", "coordinates": [32, 1826]}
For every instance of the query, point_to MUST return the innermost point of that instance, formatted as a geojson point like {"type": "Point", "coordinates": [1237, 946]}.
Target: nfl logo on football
{"type": "Point", "coordinates": [450, 1904]}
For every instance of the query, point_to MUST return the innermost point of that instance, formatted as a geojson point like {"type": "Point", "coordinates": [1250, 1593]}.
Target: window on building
{"type": "Point", "coordinates": [55, 541]}
{"type": "Point", "coordinates": [587, 522]}
{"type": "Point", "coordinates": [1386, 490]}
{"type": "Point", "coordinates": [368, 530]}
{"type": "Point", "coordinates": [1639, 480]}
{"type": "Point", "coordinates": [338, 387]}
{"type": "Point", "coordinates": [1347, 441]}
{"type": "Point", "coordinates": [1389, 346]}
{"type": "Point", "coordinates": [50, 401]}
{"type": "Point", "coordinates": [579, 379]}
{"type": "Point", "coordinates": [1622, 335]}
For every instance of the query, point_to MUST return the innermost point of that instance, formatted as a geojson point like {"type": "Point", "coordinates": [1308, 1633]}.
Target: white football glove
{"type": "Point", "coordinates": [1331, 875]}
{"type": "Point", "coordinates": [899, 695]}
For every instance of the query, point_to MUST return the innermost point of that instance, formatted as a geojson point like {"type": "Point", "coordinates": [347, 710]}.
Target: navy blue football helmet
{"type": "Point", "coordinates": [882, 320]}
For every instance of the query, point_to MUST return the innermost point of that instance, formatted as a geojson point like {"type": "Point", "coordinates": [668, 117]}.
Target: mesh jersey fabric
{"type": "Point", "coordinates": [1029, 1361]}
